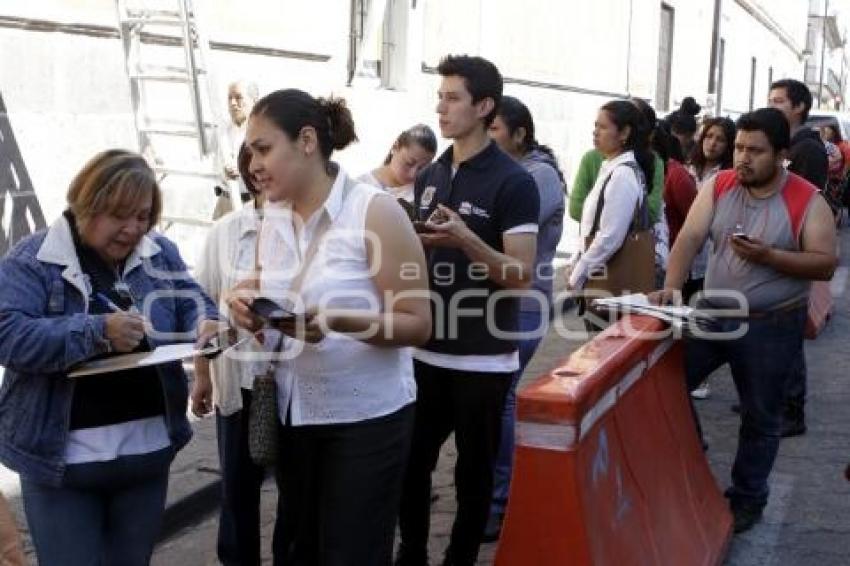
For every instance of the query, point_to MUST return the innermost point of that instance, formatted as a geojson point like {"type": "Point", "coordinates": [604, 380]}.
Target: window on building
{"type": "Point", "coordinates": [665, 58]}
{"type": "Point", "coordinates": [377, 47]}
{"type": "Point", "coordinates": [752, 82]}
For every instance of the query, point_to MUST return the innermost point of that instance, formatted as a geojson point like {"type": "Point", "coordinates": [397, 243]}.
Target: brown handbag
{"type": "Point", "coordinates": [632, 267]}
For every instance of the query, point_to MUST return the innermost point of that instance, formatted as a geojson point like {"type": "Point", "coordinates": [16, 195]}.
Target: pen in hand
{"type": "Point", "coordinates": [124, 329]}
{"type": "Point", "coordinates": [113, 307]}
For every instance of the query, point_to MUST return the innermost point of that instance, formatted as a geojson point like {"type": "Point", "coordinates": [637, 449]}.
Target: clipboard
{"type": "Point", "coordinates": [160, 355]}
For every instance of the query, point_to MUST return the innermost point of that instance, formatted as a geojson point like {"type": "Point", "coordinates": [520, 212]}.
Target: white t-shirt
{"type": "Point", "coordinates": [405, 192]}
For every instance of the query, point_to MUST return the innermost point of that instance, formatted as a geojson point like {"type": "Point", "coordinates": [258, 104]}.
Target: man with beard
{"type": "Point", "coordinates": [772, 235]}
{"type": "Point", "coordinates": [807, 158]}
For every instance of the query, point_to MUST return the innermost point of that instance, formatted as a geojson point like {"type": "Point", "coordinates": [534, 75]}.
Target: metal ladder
{"type": "Point", "coordinates": [147, 35]}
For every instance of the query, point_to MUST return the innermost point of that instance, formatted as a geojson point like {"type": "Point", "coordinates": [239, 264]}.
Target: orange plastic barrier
{"type": "Point", "coordinates": [608, 467]}
{"type": "Point", "coordinates": [820, 308]}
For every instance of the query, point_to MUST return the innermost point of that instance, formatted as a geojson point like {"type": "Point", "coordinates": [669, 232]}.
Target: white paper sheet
{"type": "Point", "coordinates": [638, 302]}
{"type": "Point", "coordinates": [161, 355]}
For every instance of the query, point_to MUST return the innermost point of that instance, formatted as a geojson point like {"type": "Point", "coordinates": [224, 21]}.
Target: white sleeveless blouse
{"type": "Point", "coordinates": [340, 379]}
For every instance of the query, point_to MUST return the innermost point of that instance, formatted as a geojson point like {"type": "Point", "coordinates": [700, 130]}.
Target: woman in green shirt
{"type": "Point", "coordinates": [588, 170]}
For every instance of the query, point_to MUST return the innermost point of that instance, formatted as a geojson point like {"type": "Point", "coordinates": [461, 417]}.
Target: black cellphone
{"type": "Point", "coordinates": [270, 311]}
{"type": "Point", "coordinates": [422, 228]}
{"type": "Point", "coordinates": [741, 236]}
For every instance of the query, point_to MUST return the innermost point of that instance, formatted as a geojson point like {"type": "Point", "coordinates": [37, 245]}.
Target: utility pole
{"type": "Point", "coordinates": [713, 63]}
{"type": "Point", "coordinates": [822, 50]}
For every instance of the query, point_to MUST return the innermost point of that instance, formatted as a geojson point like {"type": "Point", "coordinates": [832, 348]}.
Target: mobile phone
{"type": "Point", "coordinates": [742, 236]}
{"type": "Point", "coordinates": [438, 217]}
{"type": "Point", "coordinates": [270, 311]}
{"type": "Point", "coordinates": [422, 228]}
{"type": "Point", "coordinates": [212, 348]}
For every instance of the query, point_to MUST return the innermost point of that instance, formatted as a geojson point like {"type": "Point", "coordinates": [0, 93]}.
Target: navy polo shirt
{"type": "Point", "coordinates": [493, 194]}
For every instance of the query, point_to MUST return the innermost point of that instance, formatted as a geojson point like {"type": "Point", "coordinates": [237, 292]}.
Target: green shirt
{"type": "Point", "coordinates": [588, 170]}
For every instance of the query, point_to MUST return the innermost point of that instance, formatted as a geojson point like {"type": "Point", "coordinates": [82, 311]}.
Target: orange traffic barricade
{"type": "Point", "coordinates": [608, 466]}
{"type": "Point", "coordinates": [820, 308]}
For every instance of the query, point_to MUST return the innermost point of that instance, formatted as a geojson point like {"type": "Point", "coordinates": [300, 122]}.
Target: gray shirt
{"type": "Point", "coordinates": [766, 219]}
{"type": "Point", "coordinates": [551, 223]}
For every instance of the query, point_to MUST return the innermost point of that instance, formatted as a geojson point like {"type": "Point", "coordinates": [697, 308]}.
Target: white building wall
{"type": "Point", "coordinates": [691, 51]}
{"type": "Point", "coordinates": [68, 96]}
{"type": "Point", "coordinates": [746, 38]}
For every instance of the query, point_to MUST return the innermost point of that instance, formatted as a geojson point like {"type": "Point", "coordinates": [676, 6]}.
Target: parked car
{"type": "Point", "coordinates": [821, 118]}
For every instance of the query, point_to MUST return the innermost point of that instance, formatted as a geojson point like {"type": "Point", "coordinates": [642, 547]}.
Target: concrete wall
{"type": "Point", "coordinates": [747, 38]}
{"type": "Point", "coordinates": [68, 97]}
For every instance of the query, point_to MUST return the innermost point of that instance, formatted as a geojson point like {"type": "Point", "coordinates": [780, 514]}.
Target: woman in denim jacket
{"type": "Point", "coordinates": [93, 452]}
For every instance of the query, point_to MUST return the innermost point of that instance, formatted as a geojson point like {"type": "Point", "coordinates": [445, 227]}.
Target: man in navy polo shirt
{"type": "Point", "coordinates": [481, 247]}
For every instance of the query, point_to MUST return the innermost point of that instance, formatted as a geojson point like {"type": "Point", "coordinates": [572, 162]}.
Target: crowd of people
{"type": "Point", "coordinates": [407, 301]}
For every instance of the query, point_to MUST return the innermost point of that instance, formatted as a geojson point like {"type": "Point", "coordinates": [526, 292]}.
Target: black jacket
{"type": "Point", "coordinates": [808, 157]}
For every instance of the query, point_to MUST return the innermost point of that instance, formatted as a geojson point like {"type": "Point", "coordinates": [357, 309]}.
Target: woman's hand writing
{"type": "Point", "coordinates": [124, 330]}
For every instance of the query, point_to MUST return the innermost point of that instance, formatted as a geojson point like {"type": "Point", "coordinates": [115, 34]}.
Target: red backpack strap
{"type": "Point", "coordinates": [797, 194]}
{"type": "Point", "coordinates": [724, 182]}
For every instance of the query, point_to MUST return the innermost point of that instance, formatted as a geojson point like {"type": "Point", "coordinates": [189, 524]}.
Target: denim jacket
{"type": "Point", "coordinates": [45, 330]}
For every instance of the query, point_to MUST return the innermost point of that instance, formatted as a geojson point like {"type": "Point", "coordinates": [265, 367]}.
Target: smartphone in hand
{"type": "Point", "coordinates": [438, 217]}
{"type": "Point", "coordinates": [270, 311]}
{"type": "Point", "coordinates": [742, 236]}
{"type": "Point", "coordinates": [422, 228]}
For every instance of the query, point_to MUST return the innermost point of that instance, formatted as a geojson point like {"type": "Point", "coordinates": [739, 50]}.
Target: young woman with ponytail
{"type": "Point", "coordinates": [513, 130]}
{"type": "Point", "coordinates": [621, 135]}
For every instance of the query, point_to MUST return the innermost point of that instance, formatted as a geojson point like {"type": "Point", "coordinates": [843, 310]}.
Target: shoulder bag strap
{"type": "Point", "coordinates": [600, 204]}
{"type": "Point", "coordinates": [310, 254]}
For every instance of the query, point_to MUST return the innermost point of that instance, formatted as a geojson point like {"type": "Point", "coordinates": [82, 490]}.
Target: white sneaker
{"type": "Point", "coordinates": [701, 392]}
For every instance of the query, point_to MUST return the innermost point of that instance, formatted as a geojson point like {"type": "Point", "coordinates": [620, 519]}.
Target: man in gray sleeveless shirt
{"type": "Point", "coordinates": [772, 234]}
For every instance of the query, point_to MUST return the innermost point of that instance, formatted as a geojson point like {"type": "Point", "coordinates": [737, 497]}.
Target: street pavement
{"type": "Point", "coordinates": [805, 522]}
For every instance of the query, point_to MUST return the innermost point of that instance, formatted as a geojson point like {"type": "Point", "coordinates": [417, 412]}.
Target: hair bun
{"type": "Point", "coordinates": [690, 106]}
{"type": "Point", "coordinates": [340, 121]}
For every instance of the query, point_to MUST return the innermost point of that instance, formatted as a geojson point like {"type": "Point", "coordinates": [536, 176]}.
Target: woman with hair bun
{"type": "Point", "coordinates": [342, 256]}
{"type": "Point", "coordinates": [683, 123]}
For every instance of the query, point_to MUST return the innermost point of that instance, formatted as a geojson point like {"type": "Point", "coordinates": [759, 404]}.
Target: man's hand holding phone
{"type": "Point", "coordinates": [444, 228]}
{"type": "Point", "coordinates": [749, 248]}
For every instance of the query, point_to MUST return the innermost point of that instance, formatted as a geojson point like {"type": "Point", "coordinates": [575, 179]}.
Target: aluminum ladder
{"type": "Point", "coordinates": [166, 86]}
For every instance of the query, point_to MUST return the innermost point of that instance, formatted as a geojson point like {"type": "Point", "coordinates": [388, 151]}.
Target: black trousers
{"type": "Point", "coordinates": [340, 486]}
{"type": "Point", "coordinates": [241, 481]}
{"type": "Point", "coordinates": [470, 404]}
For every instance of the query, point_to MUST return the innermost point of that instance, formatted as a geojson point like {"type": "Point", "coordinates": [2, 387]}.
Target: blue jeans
{"type": "Point", "coordinates": [241, 481]}
{"type": "Point", "coordinates": [535, 325]}
{"type": "Point", "coordinates": [762, 362]}
{"type": "Point", "coordinates": [105, 513]}
{"type": "Point", "coordinates": [795, 391]}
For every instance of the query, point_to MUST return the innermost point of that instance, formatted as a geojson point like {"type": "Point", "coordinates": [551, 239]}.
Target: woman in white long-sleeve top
{"type": "Point", "coordinates": [621, 134]}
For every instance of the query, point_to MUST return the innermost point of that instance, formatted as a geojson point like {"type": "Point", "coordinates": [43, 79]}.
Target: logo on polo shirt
{"type": "Point", "coordinates": [428, 196]}
{"type": "Point", "coordinates": [467, 209]}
